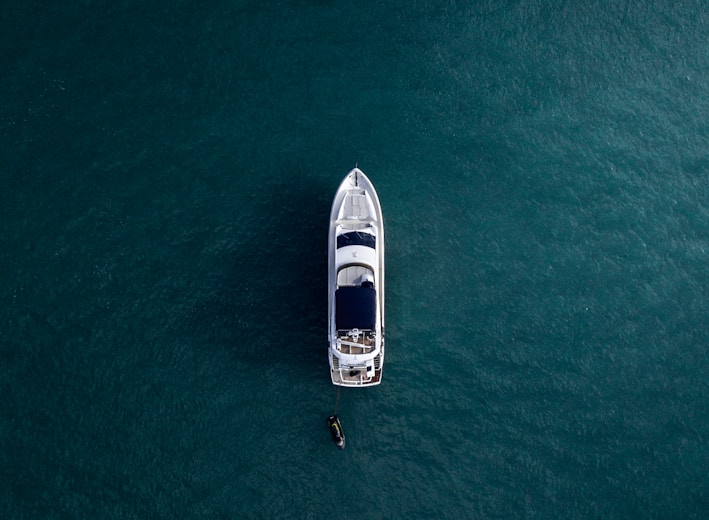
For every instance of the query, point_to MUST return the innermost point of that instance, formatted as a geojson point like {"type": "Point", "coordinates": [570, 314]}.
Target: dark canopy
{"type": "Point", "coordinates": [356, 308]}
{"type": "Point", "coordinates": [356, 238]}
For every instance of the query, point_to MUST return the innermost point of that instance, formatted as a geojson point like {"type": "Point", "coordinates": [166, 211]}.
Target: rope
{"type": "Point", "coordinates": [337, 401]}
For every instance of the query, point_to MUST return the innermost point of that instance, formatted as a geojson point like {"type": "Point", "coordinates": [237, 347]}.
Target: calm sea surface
{"type": "Point", "coordinates": [167, 170]}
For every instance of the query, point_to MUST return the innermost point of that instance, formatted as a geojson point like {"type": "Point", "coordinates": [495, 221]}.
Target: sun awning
{"type": "Point", "coordinates": [356, 308]}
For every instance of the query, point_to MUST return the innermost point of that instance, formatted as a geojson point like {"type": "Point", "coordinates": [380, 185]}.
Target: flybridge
{"type": "Point", "coordinates": [356, 307]}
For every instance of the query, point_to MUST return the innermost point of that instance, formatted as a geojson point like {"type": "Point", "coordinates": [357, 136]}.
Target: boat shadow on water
{"type": "Point", "coordinates": [266, 300]}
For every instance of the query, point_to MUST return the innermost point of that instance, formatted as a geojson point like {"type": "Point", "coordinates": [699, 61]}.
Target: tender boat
{"type": "Point", "coordinates": [338, 436]}
{"type": "Point", "coordinates": [356, 284]}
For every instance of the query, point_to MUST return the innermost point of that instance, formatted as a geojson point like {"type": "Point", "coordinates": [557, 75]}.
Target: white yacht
{"type": "Point", "coordinates": [356, 284]}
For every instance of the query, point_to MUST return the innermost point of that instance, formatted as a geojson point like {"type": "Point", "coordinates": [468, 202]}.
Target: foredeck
{"type": "Point", "coordinates": [355, 205]}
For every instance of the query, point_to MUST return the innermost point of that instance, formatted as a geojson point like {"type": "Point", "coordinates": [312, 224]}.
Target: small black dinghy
{"type": "Point", "coordinates": [336, 431]}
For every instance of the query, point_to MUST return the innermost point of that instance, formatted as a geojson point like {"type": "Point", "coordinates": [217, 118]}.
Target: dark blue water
{"type": "Point", "coordinates": [167, 171]}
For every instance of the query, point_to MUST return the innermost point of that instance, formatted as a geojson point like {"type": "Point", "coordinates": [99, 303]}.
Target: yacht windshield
{"type": "Point", "coordinates": [356, 238]}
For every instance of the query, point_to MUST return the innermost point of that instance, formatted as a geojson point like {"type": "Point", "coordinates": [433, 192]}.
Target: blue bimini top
{"type": "Point", "coordinates": [356, 308]}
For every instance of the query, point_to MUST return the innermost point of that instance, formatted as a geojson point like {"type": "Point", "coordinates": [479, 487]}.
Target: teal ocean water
{"type": "Point", "coordinates": [167, 172]}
